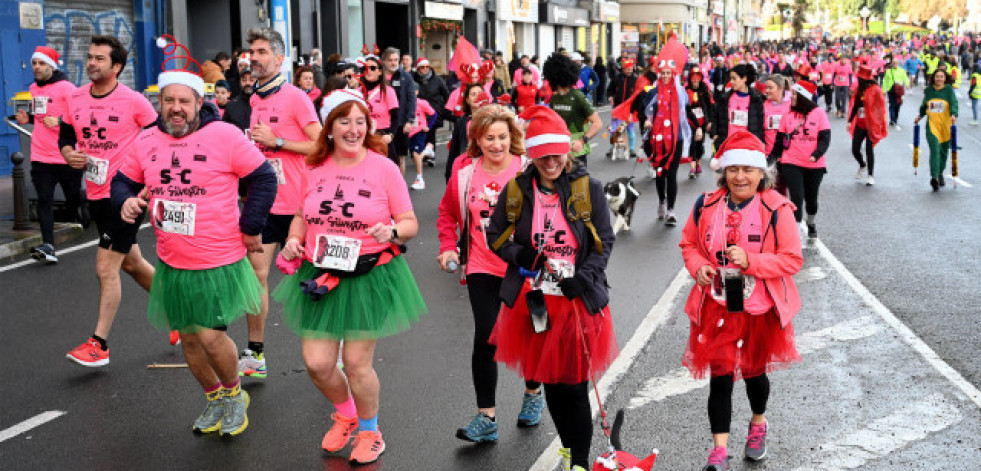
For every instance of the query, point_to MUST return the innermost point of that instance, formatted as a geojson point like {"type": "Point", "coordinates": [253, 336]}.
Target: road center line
{"type": "Point", "coordinates": [660, 312]}
{"type": "Point", "coordinates": [74, 248]}
{"type": "Point", "coordinates": [28, 424]}
{"type": "Point", "coordinates": [905, 333]}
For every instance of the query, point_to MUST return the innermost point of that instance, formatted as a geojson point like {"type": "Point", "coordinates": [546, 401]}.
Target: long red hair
{"type": "Point", "coordinates": [325, 146]}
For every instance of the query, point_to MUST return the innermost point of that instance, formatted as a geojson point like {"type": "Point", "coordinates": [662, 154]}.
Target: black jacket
{"type": "Point", "coordinates": [590, 265]}
{"type": "Point", "coordinates": [238, 112]}
{"type": "Point", "coordinates": [406, 88]}
{"type": "Point", "coordinates": [432, 89]}
{"type": "Point", "coordinates": [720, 123]}
{"type": "Point", "coordinates": [621, 87]}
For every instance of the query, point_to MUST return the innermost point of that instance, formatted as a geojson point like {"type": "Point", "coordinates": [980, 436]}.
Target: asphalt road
{"type": "Point", "coordinates": [862, 376]}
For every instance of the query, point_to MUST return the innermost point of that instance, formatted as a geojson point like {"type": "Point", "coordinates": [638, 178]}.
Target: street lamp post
{"type": "Point", "coordinates": [864, 13]}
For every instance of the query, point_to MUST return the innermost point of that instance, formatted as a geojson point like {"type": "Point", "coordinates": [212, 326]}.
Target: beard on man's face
{"type": "Point", "coordinates": [181, 130]}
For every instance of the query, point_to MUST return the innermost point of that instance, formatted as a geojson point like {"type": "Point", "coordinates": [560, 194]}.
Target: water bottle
{"type": "Point", "coordinates": [452, 266]}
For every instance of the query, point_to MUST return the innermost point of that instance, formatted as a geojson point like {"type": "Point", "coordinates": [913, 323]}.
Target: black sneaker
{"type": "Point", "coordinates": [935, 184]}
{"type": "Point", "coordinates": [44, 253]}
{"type": "Point", "coordinates": [940, 181]}
{"type": "Point", "coordinates": [812, 232]}
{"type": "Point", "coordinates": [429, 161]}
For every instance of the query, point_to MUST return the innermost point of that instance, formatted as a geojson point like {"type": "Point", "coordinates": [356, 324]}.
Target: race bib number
{"type": "Point", "coordinates": [699, 114]}
{"type": "Point", "coordinates": [773, 122]}
{"type": "Point", "coordinates": [40, 105]}
{"type": "Point", "coordinates": [277, 165]}
{"type": "Point", "coordinates": [336, 252]}
{"type": "Point", "coordinates": [938, 106]}
{"type": "Point", "coordinates": [739, 118]}
{"type": "Point", "coordinates": [174, 217]}
{"type": "Point", "coordinates": [96, 170]}
{"type": "Point", "coordinates": [556, 271]}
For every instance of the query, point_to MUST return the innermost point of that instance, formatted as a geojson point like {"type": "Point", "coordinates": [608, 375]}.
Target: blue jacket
{"type": "Point", "coordinates": [589, 79]}
{"type": "Point", "coordinates": [406, 87]}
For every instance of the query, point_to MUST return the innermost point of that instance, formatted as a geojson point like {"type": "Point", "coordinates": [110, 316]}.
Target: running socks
{"type": "Point", "coordinates": [256, 347]}
{"type": "Point", "coordinates": [368, 425]}
{"type": "Point", "coordinates": [347, 408]}
{"type": "Point", "coordinates": [213, 392]}
{"type": "Point", "coordinates": [102, 342]}
{"type": "Point", "coordinates": [233, 389]}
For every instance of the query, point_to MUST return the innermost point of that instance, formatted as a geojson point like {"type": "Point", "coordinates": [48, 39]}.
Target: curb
{"type": "Point", "coordinates": [24, 240]}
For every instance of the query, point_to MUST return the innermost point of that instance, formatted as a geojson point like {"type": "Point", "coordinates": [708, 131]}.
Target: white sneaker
{"type": "Point", "coordinates": [419, 184]}
{"type": "Point", "coordinates": [898, 128]}
{"type": "Point", "coordinates": [662, 210]}
{"type": "Point", "coordinates": [870, 181]}
{"type": "Point", "coordinates": [428, 151]}
{"type": "Point", "coordinates": [974, 122]}
{"type": "Point", "coordinates": [671, 220]}
{"type": "Point", "coordinates": [862, 172]}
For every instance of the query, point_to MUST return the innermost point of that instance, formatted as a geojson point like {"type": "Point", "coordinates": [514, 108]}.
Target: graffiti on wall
{"type": "Point", "coordinates": [69, 32]}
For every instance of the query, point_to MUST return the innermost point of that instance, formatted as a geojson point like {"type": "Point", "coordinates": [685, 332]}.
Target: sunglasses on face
{"type": "Point", "coordinates": [372, 68]}
{"type": "Point", "coordinates": [349, 76]}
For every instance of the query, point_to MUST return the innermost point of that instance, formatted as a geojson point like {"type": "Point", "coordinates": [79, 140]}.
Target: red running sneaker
{"type": "Point", "coordinates": [89, 354]}
{"type": "Point", "coordinates": [339, 433]}
{"type": "Point", "coordinates": [368, 446]}
{"type": "Point", "coordinates": [175, 337]}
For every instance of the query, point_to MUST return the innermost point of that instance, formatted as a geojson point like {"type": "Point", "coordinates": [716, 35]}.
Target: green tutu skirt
{"type": "Point", "coordinates": [192, 300]}
{"type": "Point", "coordinates": [380, 303]}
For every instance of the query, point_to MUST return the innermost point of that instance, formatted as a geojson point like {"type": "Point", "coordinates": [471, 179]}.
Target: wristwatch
{"type": "Point", "coordinates": [585, 139]}
{"type": "Point", "coordinates": [395, 233]}
{"type": "Point", "coordinates": [280, 142]}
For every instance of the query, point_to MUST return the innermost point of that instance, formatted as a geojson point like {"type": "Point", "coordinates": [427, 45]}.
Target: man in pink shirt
{"type": "Point", "coordinates": [185, 172]}
{"type": "Point", "coordinates": [50, 93]}
{"type": "Point", "coordinates": [843, 78]}
{"type": "Point", "coordinates": [285, 127]}
{"type": "Point", "coordinates": [103, 119]}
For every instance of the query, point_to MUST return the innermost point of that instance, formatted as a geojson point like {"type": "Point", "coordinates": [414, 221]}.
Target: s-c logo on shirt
{"type": "Point", "coordinates": [88, 132]}
{"type": "Point", "coordinates": [558, 238]}
{"type": "Point", "coordinates": [184, 175]}
{"type": "Point", "coordinates": [326, 207]}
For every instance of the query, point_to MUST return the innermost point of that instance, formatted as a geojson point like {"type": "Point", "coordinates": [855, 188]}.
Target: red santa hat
{"type": "Point", "coordinates": [47, 55]}
{"type": "Point", "coordinates": [740, 148]}
{"type": "Point", "coordinates": [547, 133]}
{"type": "Point", "coordinates": [422, 62]}
{"type": "Point", "coordinates": [182, 76]}
{"type": "Point", "coordinates": [805, 88]}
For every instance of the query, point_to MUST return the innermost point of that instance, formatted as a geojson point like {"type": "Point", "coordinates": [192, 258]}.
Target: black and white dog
{"type": "Point", "coordinates": [621, 194]}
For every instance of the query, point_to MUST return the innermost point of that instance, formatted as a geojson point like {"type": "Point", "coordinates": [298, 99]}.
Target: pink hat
{"type": "Point", "coordinates": [48, 55]}
{"type": "Point", "coordinates": [422, 62]}
{"type": "Point", "coordinates": [184, 76]}
{"type": "Point", "coordinates": [547, 133]}
{"type": "Point", "coordinates": [740, 148]}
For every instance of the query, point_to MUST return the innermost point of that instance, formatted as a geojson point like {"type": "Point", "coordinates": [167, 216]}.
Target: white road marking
{"type": "Point", "coordinates": [961, 182]}
{"type": "Point", "coordinates": [679, 381]}
{"type": "Point", "coordinates": [74, 248]}
{"type": "Point", "coordinates": [549, 458]}
{"type": "Point", "coordinates": [905, 333]}
{"type": "Point", "coordinates": [911, 423]}
{"type": "Point", "coordinates": [28, 424]}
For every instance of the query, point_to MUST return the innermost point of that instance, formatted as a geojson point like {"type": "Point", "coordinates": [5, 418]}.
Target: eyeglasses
{"type": "Point", "coordinates": [372, 67]}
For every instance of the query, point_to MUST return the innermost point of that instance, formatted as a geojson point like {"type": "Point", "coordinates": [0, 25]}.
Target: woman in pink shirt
{"type": "Point", "coordinates": [352, 283]}
{"type": "Point", "coordinates": [493, 158]}
{"type": "Point", "coordinates": [800, 145]}
{"type": "Point", "coordinates": [383, 102]}
{"type": "Point", "coordinates": [742, 247]}
{"type": "Point", "coordinates": [304, 81]}
{"type": "Point", "coordinates": [777, 104]}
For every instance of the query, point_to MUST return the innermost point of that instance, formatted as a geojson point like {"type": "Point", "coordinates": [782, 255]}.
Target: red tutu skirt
{"type": "Point", "coordinates": [737, 343]}
{"type": "Point", "coordinates": [556, 355]}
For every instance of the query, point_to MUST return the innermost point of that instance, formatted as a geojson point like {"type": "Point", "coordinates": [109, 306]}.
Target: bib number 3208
{"type": "Point", "coordinates": [336, 252]}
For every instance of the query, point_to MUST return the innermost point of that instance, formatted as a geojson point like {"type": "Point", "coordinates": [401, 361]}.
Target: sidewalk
{"type": "Point", "coordinates": [14, 243]}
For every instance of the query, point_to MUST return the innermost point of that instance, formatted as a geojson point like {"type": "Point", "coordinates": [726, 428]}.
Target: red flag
{"type": "Point", "coordinates": [465, 54]}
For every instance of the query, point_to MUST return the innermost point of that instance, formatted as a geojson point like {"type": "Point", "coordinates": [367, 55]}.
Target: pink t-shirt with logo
{"type": "Point", "coordinates": [481, 200]}
{"type": "Point", "coordinates": [423, 111]}
{"type": "Point", "coordinates": [105, 128]}
{"type": "Point", "coordinates": [49, 100]}
{"type": "Point", "coordinates": [346, 201]}
{"type": "Point", "coordinates": [804, 142]}
{"type": "Point", "coordinates": [550, 227]}
{"type": "Point", "coordinates": [748, 222]}
{"type": "Point", "coordinates": [738, 112]}
{"type": "Point", "coordinates": [193, 188]}
{"type": "Point", "coordinates": [287, 112]}
{"type": "Point", "coordinates": [381, 103]}
{"type": "Point", "coordinates": [843, 74]}
{"type": "Point", "coordinates": [773, 114]}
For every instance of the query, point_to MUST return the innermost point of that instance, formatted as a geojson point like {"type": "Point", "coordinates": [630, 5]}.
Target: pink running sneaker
{"type": "Point", "coordinates": [756, 442]}
{"type": "Point", "coordinates": [339, 433]}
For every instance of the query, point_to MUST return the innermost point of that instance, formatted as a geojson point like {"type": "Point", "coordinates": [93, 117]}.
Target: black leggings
{"type": "Point", "coordinates": [863, 135]}
{"type": "Point", "coordinates": [829, 93]}
{"type": "Point", "coordinates": [568, 404]}
{"type": "Point", "coordinates": [803, 184]}
{"type": "Point", "coordinates": [45, 177]}
{"type": "Point", "coordinates": [720, 399]}
{"type": "Point", "coordinates": [486, 303]}
{"type": "Point", "coordinates": [668, 181]}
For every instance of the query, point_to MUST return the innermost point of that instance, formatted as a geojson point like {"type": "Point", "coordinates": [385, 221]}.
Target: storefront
{"type": "Point", "coordinates": [570, 25]}
{"type": "Point", "coordinates": [438, 30]}
{"type": "Point", "coordinates": [516, 21]}
{"type": "Point", "coordinates": [606, 18]}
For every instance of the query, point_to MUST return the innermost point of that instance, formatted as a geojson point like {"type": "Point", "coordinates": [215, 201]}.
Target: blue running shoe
{"type": "Point", "coordinates": [480, 429]}
{"type": "Point", "coordinates": [532, 406]}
